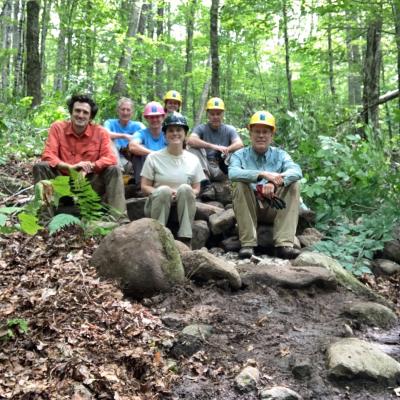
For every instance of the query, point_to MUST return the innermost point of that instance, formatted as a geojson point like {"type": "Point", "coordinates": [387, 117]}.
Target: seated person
{"type": "Point", "coordinates": [213, 142]}
{"type": "Point", "coordinates": [121, 130]}
{"type": "Point", "coordinates": [276, 175]}
{"type": "Point", "coordinates": [173, 175]}
{"type": "Point", "coordinates": [172, 101]}
{"type": "Point", "coordinates": [86, 147]}
{"type": "Point", "coordinates": [148, 140]}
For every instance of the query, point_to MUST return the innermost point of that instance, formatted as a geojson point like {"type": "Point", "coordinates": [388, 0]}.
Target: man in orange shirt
{"type": "Point", "coordinates": [81, 145]}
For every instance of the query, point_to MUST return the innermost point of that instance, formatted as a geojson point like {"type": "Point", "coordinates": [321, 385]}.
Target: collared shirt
{"type": "Point", "coordinates": [114, 125]}
{"type": "Point", "coordinates": [246, 164]}
{"type": "Point", "coordinates": [64, 145]}
{"type": "Point", "coordinates": [146, 139]}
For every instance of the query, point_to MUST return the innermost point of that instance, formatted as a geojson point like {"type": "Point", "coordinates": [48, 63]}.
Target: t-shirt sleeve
{"type": "Point", "coordinates": [233, 135]}
{"type": "Point", "coordinates": [148, 170]}
{"type": "Point", "coordinates": [138, 137]}
{"type": "Point", "coordinates": [107, 125]}
{"type": "Point", "coordinates": [198, 131]}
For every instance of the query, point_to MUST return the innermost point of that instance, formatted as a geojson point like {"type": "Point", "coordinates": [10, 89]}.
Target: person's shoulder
{"type": "Point", "coordinates": [229, 127]}
{"type": "Point", "coordinates": [242, 152]}
{"type": "Point", "coordinates": [137, 124]}
{"type": "Point", "coordinates": [187, 155]}
{"type": "Point", "coordinates": [199, 128]}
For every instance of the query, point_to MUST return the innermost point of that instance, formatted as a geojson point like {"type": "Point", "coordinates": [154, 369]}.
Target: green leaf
{"type": "Point", "coordinates": [9, 210]}
{"type": "Point", "coordinates": [3, 219]}
{"type": "Point", "coordinates": [61, 186]}
{"type": "Point", "coordinates": [60, 221]}
{"type": "Point", "coordinates": [29, 223]}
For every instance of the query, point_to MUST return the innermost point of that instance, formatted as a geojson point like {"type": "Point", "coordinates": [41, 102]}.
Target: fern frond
{"type": "Point", "coordinates": [60, 221]}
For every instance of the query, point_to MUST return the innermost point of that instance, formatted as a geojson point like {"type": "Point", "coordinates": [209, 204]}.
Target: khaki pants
{"type": "Point", "coordinates": [107, 184]}
{"type": "Point", "coordinates": [158, 206]}
{"type": "Point", "coordinates": [248, 213]}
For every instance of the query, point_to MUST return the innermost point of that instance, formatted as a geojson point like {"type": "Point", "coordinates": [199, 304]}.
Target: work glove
{"type": "Point", "coordinates": [275, 202]}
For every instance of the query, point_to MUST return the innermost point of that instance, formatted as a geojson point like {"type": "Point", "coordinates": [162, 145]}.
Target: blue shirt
{"type": "Point", "coordinates": [113, 125]}
{"type": "Point", "coordinates": [246, 164]}
{"type": "Point", "coordinates": [145, 138]}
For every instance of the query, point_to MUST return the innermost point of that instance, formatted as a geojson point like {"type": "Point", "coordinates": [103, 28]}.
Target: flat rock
{"type": "Point", "coordinates": [286, 276]}
{"type": "Point", "coordinates": [201, 233]}
{"type": "Point", "coordinates": [141, 256]}
{"type": "Point", "coordinates": [247, 379]}
{"type": "Point", "coordinates": [279, 393]}
{"type": "Point", "coordinates": [205, 210]}
{"type": "Point", "coordinates": [345, 278]}
{"type": "Point", "coordinates": [352, 358]}
{"type": "Point", "coordinates": [381, 266]}
{"type": "Point", "coordinates": [203, 266]}
{"type": "Point", "coordinates": [201, 331]}
{"type": "Point", "coordinates": [222, 222]}
{"type": "Point", "coordinates": [310, 236]}
{"type": "Point", "coordinates": [135, 208]}
{"type": "Point", "coordinates": [370, 313]}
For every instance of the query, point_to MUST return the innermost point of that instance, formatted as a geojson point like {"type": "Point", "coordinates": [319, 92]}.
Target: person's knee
{"type": "Point", "coordinates": [113, 170]}
{"type": "Point", "coordinates": [240, 188]}
{"type": "Point", "coordinates": [163, 193]}
{"type": "Point", "coordinates": [294, 189]}
{"type": "Point", "coordinates": [184, 189]}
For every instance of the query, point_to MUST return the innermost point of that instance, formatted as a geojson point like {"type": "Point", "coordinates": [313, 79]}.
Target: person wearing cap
{"type": "Point", "coordinates": [173, 175]}
{"type": "Point", "coordinates": [172, 101]}
{"type": "Point", "coordinates": [148, 140]}
{"type": "Point", "coordinates": [265, 189]}
{"type": "Point", "coordinates": [213, 143]}
{"type": "Point", "coordinates": [121, 131]}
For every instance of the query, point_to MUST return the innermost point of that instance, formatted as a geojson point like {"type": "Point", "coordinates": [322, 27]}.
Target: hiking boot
{"type": "Point", "coordinates": [286, 252]}
{"type": "Point", "coordinates": [208, 193]}
{"type": "Point", "coordinates": [186, 241]}
{"type": "Point", "coordinates": [246, 252]}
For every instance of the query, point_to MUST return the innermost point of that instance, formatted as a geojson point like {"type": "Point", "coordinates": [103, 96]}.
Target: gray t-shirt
{"type": "Point", "coordinates": [163, 168]}
{"type": "Point", "coordinates": [225, 135]}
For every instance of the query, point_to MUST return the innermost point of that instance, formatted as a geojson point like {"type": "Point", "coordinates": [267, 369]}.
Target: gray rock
{"type": "Point", "coordinates": [247, 379]}
{"type": "Point", "coordinates": [279, 393]}
{"type": "Point", "coordinates": [182, 248]}
{"type": "Point", "coordinates": [216, 204]}
{"type": "Point", "coordinates": [301, 368]}
{"type": "Point", "coordinates": [391, 250]}
{"type": "Point", "coordinates": [201, 331]}
{"type": "Point", "coordinates": [381, 266]}
{"type": "Point", "coordinates": [343, 277]}
{"type": "Point", "coordinates": [352, 358]}
{"type": "Point", "coordinates": [285, 275]}
{"type": "Point", "coordinates": [205, 210]}
{"type": "Point", "coordinates": [223, 192]}
{"type": "Point", "coordinates": [135, 208]}
{"type": "Point", "coordinates": [201, 233]}
{"type": "Point", "coordinates": [370, 313]}
{"type": "Point", "coordinates": [186, 345]}
{"type": "Point", "coordinates": [174, 320]}
{"type": "Point", "coordinates": [231, 244]}
{"type": "Point", "coordinates": [222, 221]}
{"type": "Point", "coordinates": [203, 266]}
{"type": "Point", "coordinates": [310, 236]}
{"type": "Point", "coordinates": [141, 256]}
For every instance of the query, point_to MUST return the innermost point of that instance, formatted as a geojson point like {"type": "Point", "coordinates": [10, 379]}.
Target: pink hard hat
{"type": "Point", "coordinates": [153, 108]}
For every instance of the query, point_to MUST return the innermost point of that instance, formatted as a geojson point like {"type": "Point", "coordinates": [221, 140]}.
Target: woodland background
{"type": "Point", "coordinates": [328, 70]}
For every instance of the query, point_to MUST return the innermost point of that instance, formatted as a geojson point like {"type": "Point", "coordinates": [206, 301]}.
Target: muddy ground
{"type": "Point", "coordinates": [272, 328]}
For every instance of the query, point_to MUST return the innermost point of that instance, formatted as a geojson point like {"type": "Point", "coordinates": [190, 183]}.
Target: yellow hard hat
{"type": "Point", "coordinates": [263, 118]}
{"type": "Point", "coordinates": [215, 103]}
{"type": "Point", "coordinates": [173, 95]}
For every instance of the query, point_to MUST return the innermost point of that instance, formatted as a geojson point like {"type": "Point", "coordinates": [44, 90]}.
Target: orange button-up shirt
{"type": "Point", "coordinates": [64, 145]}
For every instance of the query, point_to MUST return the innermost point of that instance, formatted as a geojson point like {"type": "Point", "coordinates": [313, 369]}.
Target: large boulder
{"type": "Point", "coordinates": [203, 266]}
{"type": "Point", "coordinates": [356, 359]}
{"type": "Point", "coordinates": [222, 222]}
{"type": "Point", "coordinates": [309, 237]}
{"type": "Point", "coordinates": [223, 192]}
{"type": "Point", "coordinates": [380, 266]}
{"type": "Point", "coordinates": [201, 233]}
{"type": "Point", "coordinates": [369, 313]}
{"type": "Point", "coordinates": [343, 277]}
{"type": "Point", "coordinates": [391, 250]}
{"type": "Point", "coordinates": [141, 256]}
{"type": "Point", "coordinates": [284, 275]}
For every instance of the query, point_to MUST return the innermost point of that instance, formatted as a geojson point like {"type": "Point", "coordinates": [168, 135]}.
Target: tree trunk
{"type": "Point", "coordinates": [119, 87]}
{"type": "Point", "coordinates": [396, 17]}
{"type": "Point", "coordinates": [150, 79]}
{"type": "Point", "coordinates": [159, 61]}
{"type": "Point", "coordinates": [291, 105]}
{"type": "Point", "coordinates": [214, 48]}
{"type": "Point", "coordinates": [44, 24]}
{"type": "Point", "coordinates": [59, 76]}
{"type": "Point", "coordinates": [6, 37]}
{"type": "Point", "coordinates": [372, 66]}
{"type": "Point", "coordinates": [32, 67]}
{"type": "Point", "coordinates": [203, 97]}
{"type": "Point", "coordinates": [354, 66]}
{"type": "Point", "coordinates": [19, 45]}
{"type": "Point", "coordinates": [330, 55]}
{"type": "Point", "coordinates": [189, 51]}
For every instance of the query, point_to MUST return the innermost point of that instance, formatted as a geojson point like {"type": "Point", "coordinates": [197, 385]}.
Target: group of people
{"type": "Point", "coordinates": [173, 167]}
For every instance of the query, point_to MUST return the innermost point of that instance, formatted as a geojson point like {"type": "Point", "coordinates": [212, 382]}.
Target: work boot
{"type": "Point", "coordinates": [246, 252]}
{"type": "Point", "coordinates": [208, 193]}
{"type": "Point", "coordinates": [286, 252]}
